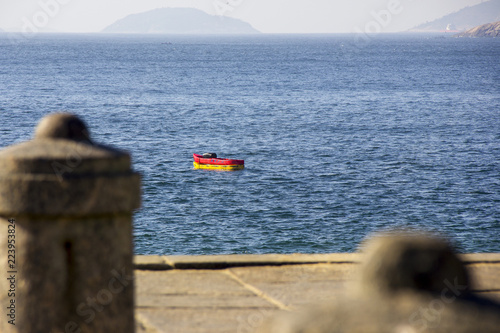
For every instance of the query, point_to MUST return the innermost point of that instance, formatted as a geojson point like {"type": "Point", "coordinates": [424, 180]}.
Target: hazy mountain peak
{"type": "Point", "coordinates": [179, 21]}
{"type": "Point", "coordinates": [485, 30]}
{"type": "Point", "coordinates": [464, 19]}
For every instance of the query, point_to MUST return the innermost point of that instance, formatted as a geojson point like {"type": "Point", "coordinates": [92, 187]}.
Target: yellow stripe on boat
{"type": "Point", "coordinates": [230, 167]}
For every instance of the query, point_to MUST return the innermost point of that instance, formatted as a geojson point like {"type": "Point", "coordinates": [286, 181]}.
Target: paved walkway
{"type": "Point", "coordinates": [235, 294]}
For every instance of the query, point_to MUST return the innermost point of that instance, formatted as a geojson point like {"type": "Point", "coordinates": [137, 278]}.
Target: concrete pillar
{"type": "Point", "coordinates": [409, 283]}
{"type": "Point", "coordinates": [418, 262]}
{"type": "Point", "coordinates": [66, 251]}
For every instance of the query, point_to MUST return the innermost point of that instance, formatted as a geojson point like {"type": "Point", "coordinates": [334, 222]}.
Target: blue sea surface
{"type": "Point", "coordinates": [341, 137]}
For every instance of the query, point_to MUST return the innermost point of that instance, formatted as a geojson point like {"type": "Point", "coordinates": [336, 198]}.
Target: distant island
{"type": "Point", "coordinates": [464, 19]}
{"type": "Point", "coordinates": [485, 30]}
{"type": "Point", "coordinates": [179, 21]}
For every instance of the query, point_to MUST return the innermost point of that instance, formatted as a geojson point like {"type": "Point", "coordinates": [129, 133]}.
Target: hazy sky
{"type": "Point", "coordinates": [270, 16]}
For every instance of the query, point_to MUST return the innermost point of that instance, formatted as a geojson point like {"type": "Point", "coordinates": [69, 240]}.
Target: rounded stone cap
{"type": "Point", "coordinates": [418, 262]}
{"type": "Point", "coordinates": [61, 171]}
{"type": "Point", "coordinates": [62, 147]}
{"type": "Point", "coordinates": [411, 283]}
{"type": "Point", "coordinates": [62, 126]}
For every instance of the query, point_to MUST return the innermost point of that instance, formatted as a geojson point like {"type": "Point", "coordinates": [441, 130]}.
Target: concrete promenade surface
{"type": "Point", "coordinates": [236, 293]}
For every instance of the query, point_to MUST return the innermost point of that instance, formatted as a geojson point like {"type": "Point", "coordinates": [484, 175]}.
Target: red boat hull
{"type": "Point", "coordinates": [216, 161]}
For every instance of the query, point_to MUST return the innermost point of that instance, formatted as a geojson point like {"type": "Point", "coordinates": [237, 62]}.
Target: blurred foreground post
{"type": "Point", "coordinates": [66, 233]}
{"type": "Point", "coordinates": [407, 283]}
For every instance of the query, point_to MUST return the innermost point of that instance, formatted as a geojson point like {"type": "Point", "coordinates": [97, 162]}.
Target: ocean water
{"type": "Point", "coordinates": [341, 137]}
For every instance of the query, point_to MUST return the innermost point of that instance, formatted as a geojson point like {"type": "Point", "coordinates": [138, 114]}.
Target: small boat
{"type": "Point", "coordinates": [212, 162]}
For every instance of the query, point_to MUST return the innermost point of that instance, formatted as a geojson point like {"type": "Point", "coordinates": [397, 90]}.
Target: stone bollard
{"type": "Point", "coordinates": [409, 283]}
{"type": "Point", "coordinates": [66, 251]}
{"type": "Point", "coordinates": [410, 262]}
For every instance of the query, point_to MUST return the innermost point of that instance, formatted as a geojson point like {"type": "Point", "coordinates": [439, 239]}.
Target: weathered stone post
{"type": "Point", "coordinates": [66, 208]}
{"type": "Point", "coordinates": [410, 283]}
